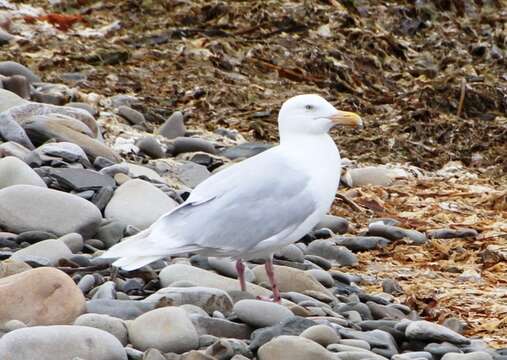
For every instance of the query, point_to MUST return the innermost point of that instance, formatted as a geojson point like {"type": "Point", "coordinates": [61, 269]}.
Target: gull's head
{"type": "Point", "coordinates": [312, 114]}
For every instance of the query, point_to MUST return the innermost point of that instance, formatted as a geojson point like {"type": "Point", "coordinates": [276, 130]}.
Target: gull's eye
{"type": "Point", "coordinates": [309, 107]}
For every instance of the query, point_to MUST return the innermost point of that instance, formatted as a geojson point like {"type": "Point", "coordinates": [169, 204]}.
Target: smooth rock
{"type": "Point", "coordinates": [336, 224]}
{"type": "Point", "coordinates": [395, 233]}
{"type": "Point", "coordinates": [184, 145]}
{"type": "Point", "coordinates": [427, 331]}
{"type": "Point", "coordinates": [361, 243]}
{"type": "Point", "coordinates": [200, 277]}
{"type": "Point", "coordinates": [114, 326]}
{"type": "Point", "coordinates": [74, 242]}
{"type": "Point", "coordinates": [133, 116]}
{"type": "Point", "coordinates": [413, 355]}
{"type": "Point", "coordinates": [11, 148]}
{"type": "Point", "coordinates": [106, 290]}
{"type": "Point", "coordinates": [369, 175]}
{"type": "Point", "coordinates": [52, 250]}
{"type": "Point", "coordinates": [288, 347]}
{"type": "Point", "coordinates": [291, 253]}
{"type": "Point", "coordinates": [321, 334]}
{"type": "Point", "coordinates": [356, 343]}
{"type": "Point", "coordinates": [67, 151]}
{"type": "Point", "coordinates": [136, 170]}
{"type": "Point", "coordinates": [151, 147]}
{"type": "Point", "coordinates": [440, 349]}
{"type": "Point", "coordinates": [43, 296]}
{"type": "Point", "coordinates": [61, 342]}
{"type": "Point", "coordinates": [8, 99]}
{"type": "Point", "coordinates": [476, 355]}
{"type": "Point", "coordinates": [10, 130]}
{"type": "Point", "coordinates": [191, 174]}
{"type": "Point", "coordinates": [12, 325]}
{"type": "Point", "coordinates": [14, 171]}
{"type": "Point", "coordinates": [122, 309]}
{"type": "Point", "coordinates": [207, 298]}
{"type": "Point", "coordinates": [391, 286]}
{"type": "Point", "coordinates": [322, 276]}
{"type": "Point", "coordinates": [138, 203]}
{"type": "Point", "coordinates": [9, 68]}
{"type": "Point", "coordinates": [381, 342]}
{"type": "Point", "coordinates": [173, 127]}
{"type": "Point", "coordinates": [167, 329]}
{"type": "Point", "coordinates": [328, 250]}
{"type": "Point", "coordinates": [259, 313]}
{"type": "Point", "coordinates": [21, 206]}
{"type": "Point", "coordinates": [86, 283]}
{"type": "Point", "coordinates": [290, 279]}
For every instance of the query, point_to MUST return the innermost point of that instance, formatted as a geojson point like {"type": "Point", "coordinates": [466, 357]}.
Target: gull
{"type": "Point", "coordinates": [251, 209]}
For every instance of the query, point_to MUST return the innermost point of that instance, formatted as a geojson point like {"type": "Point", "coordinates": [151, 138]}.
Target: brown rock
{"type": "Point", "coordinates": [43, 296]}
{"type": "Point", "coordinates": [10, 267]}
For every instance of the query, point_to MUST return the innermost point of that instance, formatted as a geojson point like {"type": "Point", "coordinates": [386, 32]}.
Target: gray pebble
{"type": "Point", "coordinates": [106, 291]}
{"type": "Point", "coordinates": [476, 355]}
{"type": "Point", "coordinates": [261, 313]}
{"type": "Point", "coordinates": [452, 233]}
{"type": "Point", "coordinates": [327, 249]}
{"type": "Point", "coordinates": [151, 147]}
{"type": "Point", "coordinates": [391, 286]}
{"type": "Point", "coordinates": [9, 68]}
{"type": "Point", "coordinates": [86, 283]}
{"type": "Point", "coordinates": [336, 224]}
{"type": "Point", "coordinates": [184, 145]}
{"type": "Point", "coordinates": [18, 84]}
{"type": "Point", "coordinates": [123, 309]}
{"type": "Point", "coordinates": [244, 151]}
{"type": "Point", "coordinates": [74, 241]}
{"type": "Point", "coordinates": [173, 127]}
{"type": "Point", "coordinates": [84, 106]}
{"type": "Point", "coordinates": [133, 116]}
{"type": "Point", "coordinates": [361, 243]}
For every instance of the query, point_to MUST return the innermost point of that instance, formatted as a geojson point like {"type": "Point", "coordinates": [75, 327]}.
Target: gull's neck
{"type": "Point", "coordinates": [320, 149]}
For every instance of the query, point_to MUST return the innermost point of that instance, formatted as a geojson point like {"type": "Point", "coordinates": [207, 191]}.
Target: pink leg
{"type": "Point", "coordinates": [240, 269]}
{"type": "Point", "coordinates": [271, 276]}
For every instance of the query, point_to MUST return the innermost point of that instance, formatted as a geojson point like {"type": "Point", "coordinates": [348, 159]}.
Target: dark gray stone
{"type": "Point", "coordinates": [361, 308]}
{"type": "Point", "coordinates": [18, 84]}
{"type": "Point", "coordinates": [391, 286]}
{"type": "Point", "coordinates": [184, 145]}
{"type": "Point", "coordinates": [81, 179]}
{"type": "Point", "coordinates": [425, 330]}
{"type": "Point", "coordinates": [133, 116]}
{"type": "Point", "coordinates": [34, 236]}
{"type": "Point", "coordinates": [384, 312]}
{"type": "Point", "coordinates": [244, 151]}
{"type": "Point", "coordinates": [361, 243]}
{"type": "Point", "coordinates": [452, 233]}
{"type": "Point", "coordinates": [319, 261]}
{"type": "Point", "coordinates": [9, 68]}
{"type": "Point", "coordinates": [336, 224]}
{"type": "Point", "coordinates": [110, 232]}
{"type": "Point", "coordinates": [440, 349]}
{"type": "Point", "coordinates": [192, 174]}
{"type": "Point", "coordinates": [327, 249]}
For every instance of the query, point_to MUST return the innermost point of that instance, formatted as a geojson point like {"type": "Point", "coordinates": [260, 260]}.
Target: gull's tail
{"type": "Point", "coordinates": [139, 250]}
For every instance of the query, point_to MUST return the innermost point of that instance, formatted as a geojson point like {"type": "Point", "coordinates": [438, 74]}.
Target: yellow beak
{"type": "Point", "coordinates": [347, 119]}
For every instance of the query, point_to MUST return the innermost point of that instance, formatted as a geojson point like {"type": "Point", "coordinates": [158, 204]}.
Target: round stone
{"type": "Point", "coordinates": [167, 329]}
{"type": "Point", "coordinates": [321, 334]}
{"type": "Point", "coordinates": [173, 127]}
{"type": "Point", "coordinates": [21, 207]}
{"type": "Point", "coordinates": [151, 147]}
{"type": "Point", "coordinates": [51, 250]}
{"type": "Point", "coordinates": [133, 116]}
{"type": "Point", "coordinates": [138, 203]}
{"type": "Point", "coordinates": [259, 313]}
{"type": "Point", "coordinates": [287, 347]}
{"type": "Point", "coordinates": [61, 342]}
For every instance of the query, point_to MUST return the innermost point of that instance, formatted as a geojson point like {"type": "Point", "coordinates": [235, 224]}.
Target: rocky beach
{"type": "Point", "coordinates": [108, 122]}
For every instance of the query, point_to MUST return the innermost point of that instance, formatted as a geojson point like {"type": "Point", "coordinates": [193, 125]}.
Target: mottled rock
{"type": "Point", "coordinates": [167, 329]}
{"type": "Point", "coordinates": [209, 299]}
{"type": "Point", "coordinates": [43, 296]}
{"type": "Point", "coordinates": [138, 203]}
{"type": "Point", "coordinates": [61, 342]}
{"type": "Point", "coordinates": [21, 206]}
{"type": "Point", "coordinates": [220, 327]}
